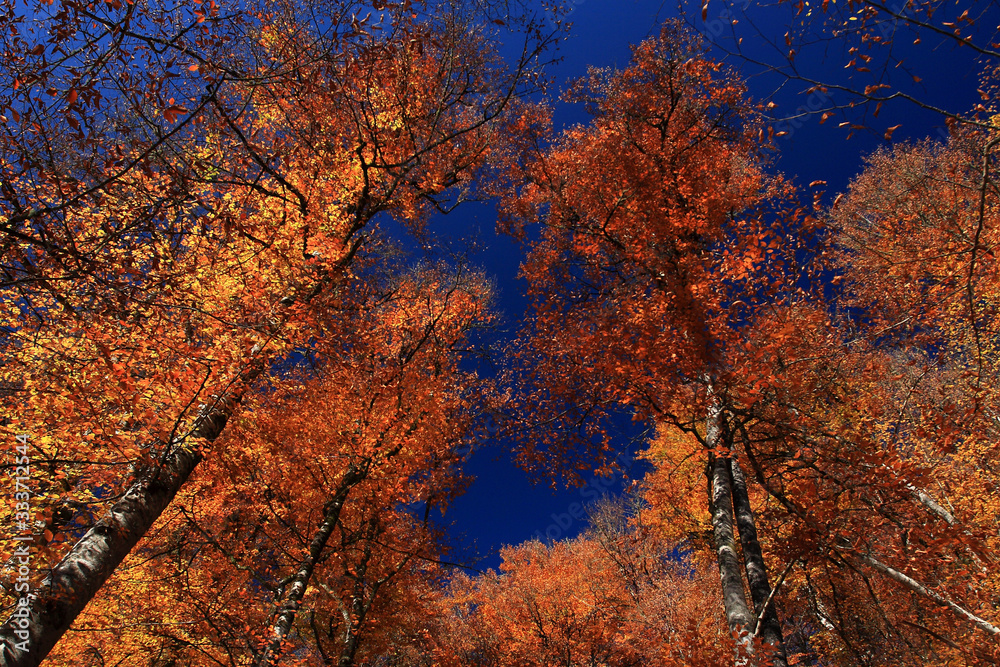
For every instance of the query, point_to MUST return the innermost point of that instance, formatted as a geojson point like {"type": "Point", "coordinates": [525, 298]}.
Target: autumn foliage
{"type": "Point", "coordinates": [160, 262]}
{"type": "Point", "coordinates": [649, 235]}
{"type": "Point", "coordinates": [616, 595]}
{"type": "Point", "coordinates": [368, 435]}
{"type": "Point", "coordinates": [247, 409]}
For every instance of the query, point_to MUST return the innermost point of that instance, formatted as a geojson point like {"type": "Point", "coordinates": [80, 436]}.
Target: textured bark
{"type": "Point", "coordinates": [738, 614]}
{"type": "Point", "coordinates": [359, 607]}
{"type": "Point", "coordinates": [753, 558]}
{"type": "Point", "coordinates": [29, 635]}
{"type": "Point", "coordinates": [299, 584]}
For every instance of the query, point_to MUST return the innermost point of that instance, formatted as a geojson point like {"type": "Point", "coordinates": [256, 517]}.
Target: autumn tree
{"type": "Point", "coordinates": [861, 418]}
{"type": "Point", "coordinates": [611, 596]}
{"type": "Point", "coordinates": [653, 257]}
{"type": "Point", "coordinates": [851, 502]}
{"type": "Point", "coordinates": [157, 257]}
{"type": "Point", "coordinates": [922, 218]}
{"type": "Point", "coordinates": [901, 371]}
{"type": "Point", "coordinates": [309, 531]}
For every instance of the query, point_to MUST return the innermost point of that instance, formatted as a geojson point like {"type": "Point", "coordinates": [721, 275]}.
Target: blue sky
{"type": "Point", "coordinates": [503, 506]}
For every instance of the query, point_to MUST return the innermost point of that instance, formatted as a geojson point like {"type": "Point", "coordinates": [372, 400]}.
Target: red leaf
{"type": "Point", "coordinates": [171, 113]}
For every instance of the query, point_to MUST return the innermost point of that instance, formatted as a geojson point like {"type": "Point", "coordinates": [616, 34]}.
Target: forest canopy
{"type": "Point", "coordinates": [242, 375]}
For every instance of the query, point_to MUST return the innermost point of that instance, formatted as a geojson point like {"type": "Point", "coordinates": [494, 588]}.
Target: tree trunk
{"type": "Point", "coordinates": [738, 614]}
{"type": "Point", "coordinates": [753, 558]}
{"type": "Point", "coordinates": [361, 602]}
{"type": "Point", "coordinates": [32, 631]}
{"type": "Point", "coordinates": [355, 474]}
{"type": "Point", "coordinates": [299, 584]}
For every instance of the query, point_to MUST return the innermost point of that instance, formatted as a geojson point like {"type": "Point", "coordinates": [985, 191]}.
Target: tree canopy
{"type": "Point", "coordinates": [241, 377]}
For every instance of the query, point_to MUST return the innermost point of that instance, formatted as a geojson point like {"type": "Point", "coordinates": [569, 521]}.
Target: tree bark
{"type": "Point", "coordinates": [299, 584]}
{"type": "Point", "coordinates": [738, 614]}
{"type": "Point", "coordinates": [918, 587]}
{"type": "Point", "coordinates": [753, 558]}
{"type": "Point", "coordinates": [33, 629]}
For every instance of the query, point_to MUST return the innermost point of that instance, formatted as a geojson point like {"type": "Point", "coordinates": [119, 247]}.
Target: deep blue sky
{"type": "Point", "coordinates": [502, 506]}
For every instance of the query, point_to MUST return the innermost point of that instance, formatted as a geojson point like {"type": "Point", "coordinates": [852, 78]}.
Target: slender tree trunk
{"type": "Point", "coordinates": [753, 558]}
{"type": "Point", "coordinates": [738, 614]}
{"type": "Point", "coordinates": [32, 631]}
{"type": "Point", "coordinates": [360, 602]}
{"type": "Point", "coordinates": [356, 474]}
{"type": "Point", "coordinates": [918, 587]}
{"type": "Point", "coordinates": [297, 588]}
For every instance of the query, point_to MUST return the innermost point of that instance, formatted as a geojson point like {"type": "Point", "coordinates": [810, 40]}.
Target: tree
{"type": "Point", "coordinates": [851, 507]}
{"type": "Point", "coordinates": [611, 596]}
{"type": "Point", "coordinates": [703, 320]}
{"type": "Point", "coordinates": [922, 218]}
{"type": "Point", "coordinates": [655, 253]}
{"type": "Point", "coordinates": [308, 528]}
{"type": "Point", "coordinates": [865, 414]}
{"type": "Point", "coordinates": [148, 286]}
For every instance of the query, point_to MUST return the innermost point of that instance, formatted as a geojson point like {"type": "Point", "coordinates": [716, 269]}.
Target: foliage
{"type": "Point", "coordinates": [378, 426]}
{"type": "Point", "coordinates": [200, 312]}
{"type": "Point", "coordinates": [221, 171]}
{"type": "Point", "coordinates": [652, 236]}
{"type": "Point", "coordinates": [613, 596]}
